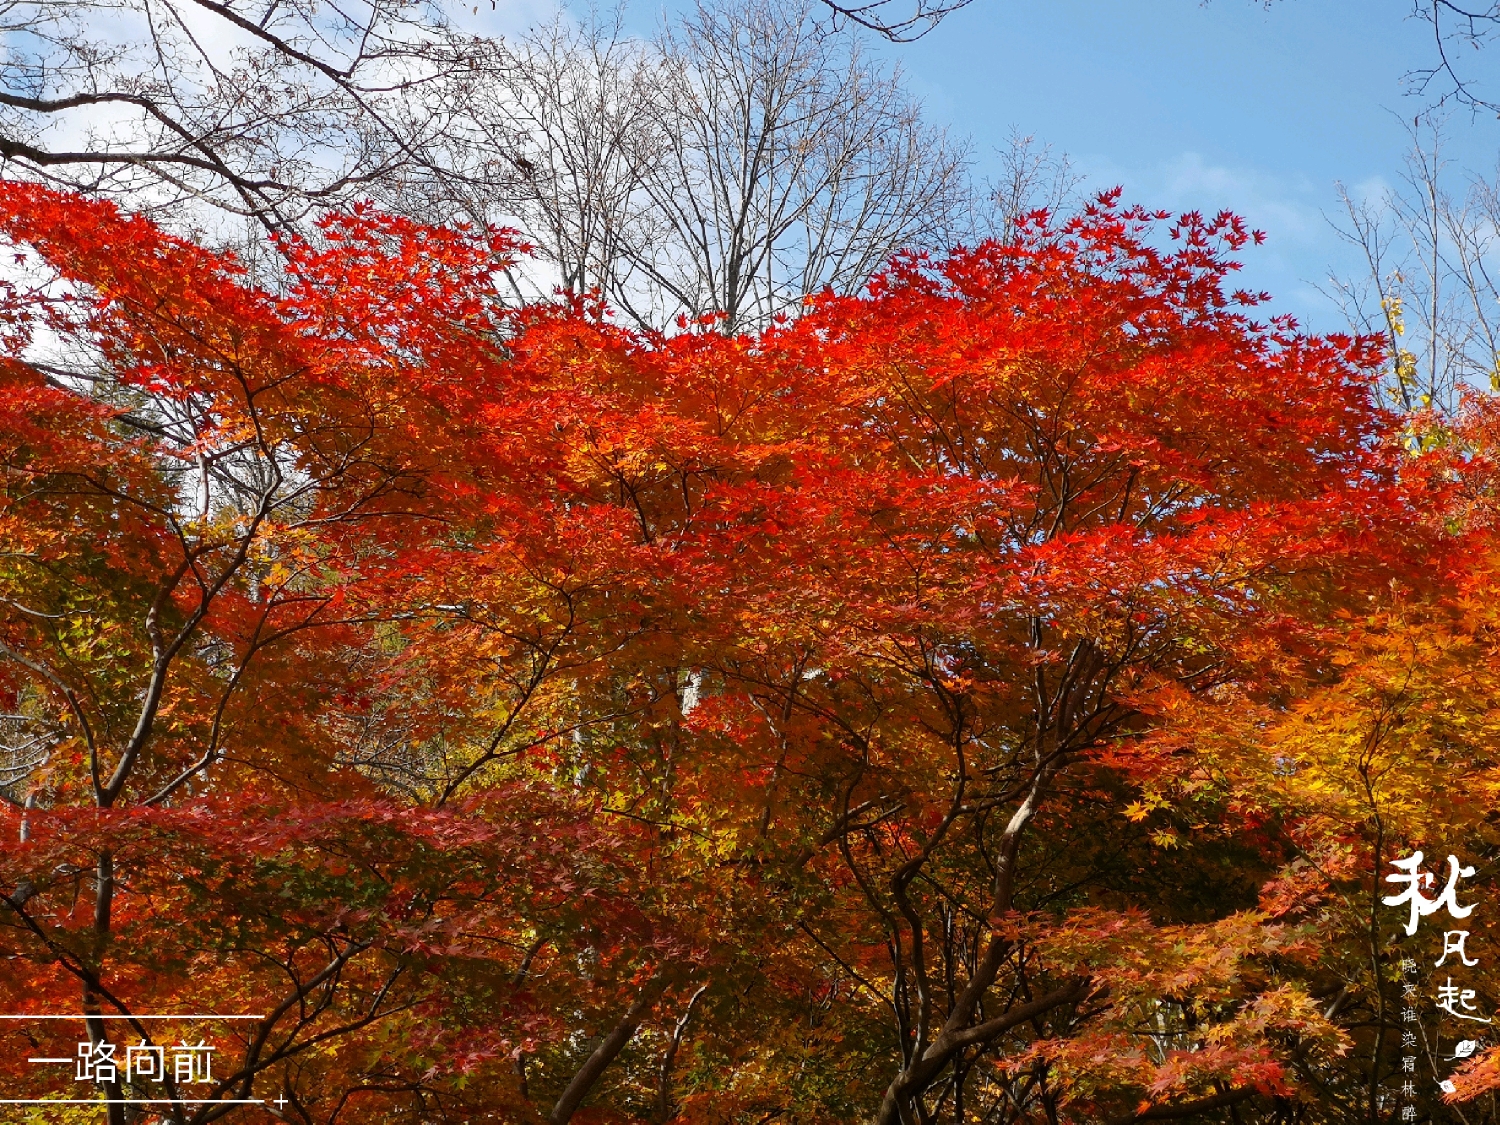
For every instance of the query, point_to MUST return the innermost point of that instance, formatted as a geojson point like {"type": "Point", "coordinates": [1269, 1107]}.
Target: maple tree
{"type": "Point", "coordinates": [885, 716]}
{"type": "Point", "coordinates": [1389, 751]}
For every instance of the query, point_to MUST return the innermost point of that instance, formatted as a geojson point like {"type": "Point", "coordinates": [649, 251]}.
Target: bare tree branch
{"type": "Point", "coordinates": [262, 112]}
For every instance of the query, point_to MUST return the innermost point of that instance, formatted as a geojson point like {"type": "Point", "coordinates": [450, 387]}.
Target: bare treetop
{"type": "Point", "coordinates": [749, 155]}
{"type": "Point", "coordinates": [744, 159]}
{"type": "Point", "coordinates": [265, 107]}
{"type": "Point", "coordinates": [1430, 286]}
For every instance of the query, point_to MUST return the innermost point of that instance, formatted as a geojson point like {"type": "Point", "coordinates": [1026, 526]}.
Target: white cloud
{"type": "Point", "coordinates": [1288, 211]}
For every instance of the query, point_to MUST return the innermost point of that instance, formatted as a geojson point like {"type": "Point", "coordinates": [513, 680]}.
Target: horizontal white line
{"type": "Point", "coordinates": [116, 1016]}
{"type": "Point", "coordinates": [132, 1101]}
{"type": "Point", "coordinates": [50, 1060]}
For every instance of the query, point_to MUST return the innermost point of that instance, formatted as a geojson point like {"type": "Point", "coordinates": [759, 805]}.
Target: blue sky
{"type": "Point", "coordinates": [1201, 106]}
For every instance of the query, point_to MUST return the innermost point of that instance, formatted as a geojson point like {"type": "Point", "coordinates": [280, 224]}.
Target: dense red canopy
{"type": "Point", "coordinates": [525, 718]}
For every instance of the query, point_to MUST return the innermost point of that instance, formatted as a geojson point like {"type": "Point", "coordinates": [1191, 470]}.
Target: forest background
{"type": "Point", "coordinates": [791, 630]}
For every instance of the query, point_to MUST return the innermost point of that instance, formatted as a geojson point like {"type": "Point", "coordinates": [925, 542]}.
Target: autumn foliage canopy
{"type": "Point", "coordinates": [988, 698]}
